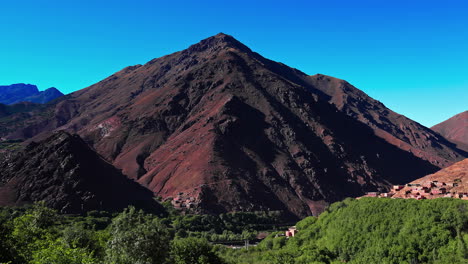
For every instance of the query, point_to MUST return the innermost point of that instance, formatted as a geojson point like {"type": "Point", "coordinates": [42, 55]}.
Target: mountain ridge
{"type": "Point", "coordinates": [20, 92]}
{"type": "Point", "coordinates": [236, 131]}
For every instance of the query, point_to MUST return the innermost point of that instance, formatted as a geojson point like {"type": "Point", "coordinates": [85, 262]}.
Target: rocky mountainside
{"type": "Point", "coordinates": [394, 128]}
{"type": "Point", "coordinates": [16, 93]}
{"type": "Point", "coordinates": [65, 173]}
{"type": "Point", "coordinates": [455, 129]}
{"type": "Point", "coordinates": [24, 107]}
{"type": "Point", "coordinates": [231, 130]}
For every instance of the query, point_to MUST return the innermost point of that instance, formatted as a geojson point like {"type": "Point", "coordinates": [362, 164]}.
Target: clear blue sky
{"type": "Point", "coordinates": [411, 55]}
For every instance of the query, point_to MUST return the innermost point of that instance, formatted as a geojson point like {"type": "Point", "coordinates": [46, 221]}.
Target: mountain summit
{"type": "Point", "coordinates": [229, 130]}
{"type": "Point", "coordinates": [20, 92]}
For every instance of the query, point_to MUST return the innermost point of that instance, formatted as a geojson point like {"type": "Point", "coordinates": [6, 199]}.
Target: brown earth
{"type": "Point", "coordinates": [455, 129]}
{"type": "Point", "coordinates": [67, 175]}
{"type": "Point", "coordinates": [240, 132]}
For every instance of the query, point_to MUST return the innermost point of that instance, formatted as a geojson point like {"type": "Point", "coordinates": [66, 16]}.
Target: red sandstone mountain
{"type": "Point", "coordinates": [455, 129]}
{"type": "Point", "coordinates": [236, 131]}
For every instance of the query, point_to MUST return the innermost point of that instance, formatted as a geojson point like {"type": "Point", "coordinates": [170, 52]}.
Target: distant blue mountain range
{"type": "Point", "coordinates": [20, 92]}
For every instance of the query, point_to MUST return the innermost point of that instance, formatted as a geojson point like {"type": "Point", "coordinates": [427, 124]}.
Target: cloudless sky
{"type": "Point", "coordinates": [410, 55]}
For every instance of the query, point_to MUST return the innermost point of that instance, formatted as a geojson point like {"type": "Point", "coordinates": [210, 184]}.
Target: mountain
{"type": "Point", "coordinates": [16, 93]}
{"type": "Point", "coordinates": [394, 128]}
{"type": "Point", "coordinates": [455, 129]}
{"type": "Point", "coordinates": [10, 94]}
{"type": "Point", "coordinates": [44, 96]}
{"type": "Point", "coordinates": [230, 130]}
{"type": "Point", "coordinates": [67, 175]}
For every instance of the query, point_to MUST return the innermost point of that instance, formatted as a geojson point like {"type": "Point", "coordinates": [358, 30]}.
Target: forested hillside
{"type": "Point", "coordinates": [372, 230]}
{"type": "Point", "coordinates": [369, 230]}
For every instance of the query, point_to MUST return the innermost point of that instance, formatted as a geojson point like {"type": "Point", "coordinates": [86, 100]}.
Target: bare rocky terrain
{"type": "Point", "coordinates": [234, 131]}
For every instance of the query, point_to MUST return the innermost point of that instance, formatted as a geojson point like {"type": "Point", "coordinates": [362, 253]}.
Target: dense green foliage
{"type": "Point", "coordinates": [226, 227]}
{"type": "Point", "coordinates": [193, 251]}
{"type": "Point", "coordinates": [368, 230]}
{"type": "Point", "coordinates": [372, 231]}
{"type": "Point", "coordinates": [137, 238]}
{"type": "Point", "coordinates": [37, 234]}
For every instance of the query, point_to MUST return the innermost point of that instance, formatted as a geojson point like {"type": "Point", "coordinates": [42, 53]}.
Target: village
{"type": "Point", "coordinates": [425, 190]}
{"type": "Point", "coordinates": [184, 201]}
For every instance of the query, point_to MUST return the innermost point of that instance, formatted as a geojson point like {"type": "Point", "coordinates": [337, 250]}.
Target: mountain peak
{"type": "Point", "coordinates": [20, 92]}
{"type": "Point", "coordinates": [218, 42]}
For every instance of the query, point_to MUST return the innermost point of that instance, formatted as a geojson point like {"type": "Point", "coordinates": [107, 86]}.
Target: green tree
{"type": "Point", "coordinates": [59, 252]}
{"type": "Point", "coordinates": [137, 238]}
{"type": "Point", "coordinates": [193, 251]}
{"type": "Point", "coordinates": [30, 230]}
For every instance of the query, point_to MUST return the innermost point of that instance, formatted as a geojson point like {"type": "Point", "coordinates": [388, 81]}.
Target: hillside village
{"type": "Point", "coordinates": [427, 190]}
{"type": "Point", "coordinates": [451, 182]}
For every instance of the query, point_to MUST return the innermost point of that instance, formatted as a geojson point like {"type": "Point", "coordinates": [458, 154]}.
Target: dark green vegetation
{"type": "Point", "coordinates": [40, 235]}
{"type": "Point", "coordinates": [226, 227]}
{"type": "Point", "coordinates": [352, 231]}
{"type": "Point", "coordinates": [372, 231]}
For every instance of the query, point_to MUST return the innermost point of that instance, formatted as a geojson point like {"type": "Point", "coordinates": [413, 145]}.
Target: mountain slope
{"type": "Point", "coordinates": [455, 129]}
{"type": "Point", "coordinates": [65, 173]}
{"type": "Point", "coordinates": [16, 93]}
{"type": "Point", "coordinates": [396, 129]}
{"type": "Point", "coordinates": [235, 131]}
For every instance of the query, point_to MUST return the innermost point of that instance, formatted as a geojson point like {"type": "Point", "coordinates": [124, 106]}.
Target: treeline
{"type": "Point", "coordinates": [371, 230]}
{"type": "Point", "coordinates": [40, 235]}
{"type": "Point", "coordinates": [226, 227]}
